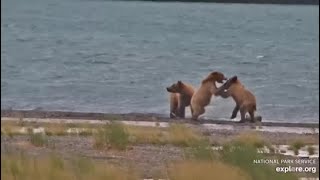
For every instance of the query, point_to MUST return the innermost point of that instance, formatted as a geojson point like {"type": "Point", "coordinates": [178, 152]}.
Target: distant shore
{"type": "Point", "coordinates": [284, 2]}
{"type": "Point", "coordinates": [133, 117]}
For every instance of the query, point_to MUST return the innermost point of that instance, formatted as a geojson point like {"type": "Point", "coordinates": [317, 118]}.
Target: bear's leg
{"type": "Point", "coordinates": [194, 117]}
{"type": "Point", "coordinates": [222, 93]}
{"type": "Point", "coordinates": [181, 109]}
{"type": "Point", "coordinates": [173, 111]}
{"type": "Point", "coordinates": [197, 112]}
{"type": "Point", "coordinates": [173, 105]}
{"type": "Point", "coordinates": [234, 112]}
{"type": "Point", "coordinates": [251, 113]}
{"type": "Point", "coordinates": [243, 114]}
{"type": "Point", "coordinates": [191, 110]}
{"type": "Point", "coordinates": [172, 115]}
{"type": "Point", "coordinates": [202, 111]}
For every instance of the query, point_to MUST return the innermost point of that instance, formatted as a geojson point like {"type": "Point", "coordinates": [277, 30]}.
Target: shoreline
{"type": "Point", "coordinates": [135, 117]}
{"type": "Point", "coordinates": [270, 2]}
{"type": "Point", "coordinates": [279, 2]}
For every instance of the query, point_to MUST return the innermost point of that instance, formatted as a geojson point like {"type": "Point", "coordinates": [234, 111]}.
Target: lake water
{"type": "Point", "coordinates": [118, 57]}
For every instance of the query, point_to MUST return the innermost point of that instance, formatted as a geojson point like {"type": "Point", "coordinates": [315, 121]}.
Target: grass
{"type": "Point", "coordinates": [181, 135]}
{"type": "Point", "coordinates": [118, 136]}
{"type": "Point", "coordinates": [272, 150]}
{"type": "Point", "coordinates": [175, 134]}
{"type": "Point", "coordinates": [205, 170]}
{"type": "Point", "coordinates": [113, 135]}
{"type": "Point", "coordinates": [311, 150]}
{"type": "Point", "coordinates": [9, 131]}
{"type": "Point", "coordinates": [200, 151]}
{"type": "Point", "coordinates": [296, 146]}
{"type": "Point", "coordinates": [250, 138]}
{"type": "Point", "coordinates": [231, 164]}
{"type": "Point", "coordinates": [283, 151]}
{"type": "Point", "coordinates": [38, 139]}
{"type": "Point", "coordinates": [296, 151]}
{"type": "Point", "coordinates": [235, 161]}
{"type": "Point", "coordinates": [242, 156]}
{"type": "Point", "coordinates": [143, 135]}
{"type": "Point", "coordinates": [237, 154]}
{"type": "Point", "coordinates": [22, 167]}
{"type": "Point", "coordinates": [86, 133]}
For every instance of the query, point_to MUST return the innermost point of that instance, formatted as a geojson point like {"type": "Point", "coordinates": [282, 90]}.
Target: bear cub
{"type": "Point", "coordinates": [245, 100]}
{"type": "Point", "coordinates": [180, 97]}
{"type": "Point", "coordinates": [202, 96]}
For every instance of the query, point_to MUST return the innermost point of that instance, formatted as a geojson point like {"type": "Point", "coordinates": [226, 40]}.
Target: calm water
{"type": "Point", "coordinates": [100, 56]}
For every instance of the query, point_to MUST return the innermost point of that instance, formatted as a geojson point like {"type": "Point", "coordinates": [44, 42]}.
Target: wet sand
{"type": "Point", "coordinates": [135, 117]}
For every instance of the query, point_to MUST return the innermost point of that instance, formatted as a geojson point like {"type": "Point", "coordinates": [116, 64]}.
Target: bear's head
{"type": "Point", "coordinates": [231, 81]}
{"type": "Point", "coordinates": [216, 77]}
{"type": "Point", "coordinates": [176, 87]}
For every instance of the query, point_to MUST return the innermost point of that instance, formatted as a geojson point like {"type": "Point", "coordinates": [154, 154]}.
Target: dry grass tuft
{"type": "Point", "coordinates": [205, 170]}
{"type": "Point", "coordinates": [250, 138]}
{"type": "Point", "coordinates": [22, 167]}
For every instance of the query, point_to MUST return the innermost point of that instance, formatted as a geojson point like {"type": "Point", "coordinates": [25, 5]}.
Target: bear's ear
{"type": "Point", "coordinates": [234, 78]}
{"type": "Point", "coordinates": [214, 73]}
{"type": "Point", "coordinates": [179, 82]}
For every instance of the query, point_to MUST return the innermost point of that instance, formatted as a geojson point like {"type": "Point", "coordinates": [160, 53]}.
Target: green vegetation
{"type": "Point", "coordinates": [38, 139]}
{"type": "Point", "coordinates": [119, 136]}
{"type": "Point", "coordinates": [113, 135]}
{"type": "Point", "coordinates": [242, 156]}
{"type": "Point", "coordinates": [250, 138]}
{"type": "Point", "coordinates": [311, 150]}
{"type": "Point", "coordinates": [233, 162]}
{"type": "Point", "coordinates": [22, 167]}
{"type": "Point", "coordinates": [205, 170]}
{"type": "Point", "coordinates": [236, 157]}
{"type": "Point", "coordinates": [296, 146]}
{"type": "Point", "coordinates": [200, 151]}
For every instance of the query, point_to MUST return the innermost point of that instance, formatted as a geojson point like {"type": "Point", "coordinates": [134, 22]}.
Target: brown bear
{"type": "Point", "coordinates": [245, 100]}
{"type": "Point", "coordinates": [202, 97]}
{"type": "Point", "coordinates": [180, 97]}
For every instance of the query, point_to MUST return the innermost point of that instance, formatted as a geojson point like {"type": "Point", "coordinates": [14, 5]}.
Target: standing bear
{"type": "Point", "coordinates": [245, 100]}
{"type": "Point", "coordinates": [180, 97]}
{"type": "Point", "coordinates": [202, 97]}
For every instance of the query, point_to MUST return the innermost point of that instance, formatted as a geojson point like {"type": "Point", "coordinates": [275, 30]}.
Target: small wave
{"type": "Point", "coordinates": [282, 105]}
{"type": "Point", "coordinates": [130, 55]}
{"type": "Point", "coordinates": [94, 61]}
{"type": "Point", "coordinates": [41, 59]}
{"type": "Point", "coordinates": [247, 63]}
{"type": "Point", "coordinates": [260, 56]}
{"type": "Point", "coordinates": [24, 39]}
{"type": "Point", "coordinates": [293, 85]}
{"type": "Point", "coordinates": [260, 86]}
{"type": "Point", "coordinates": [96, 55]}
